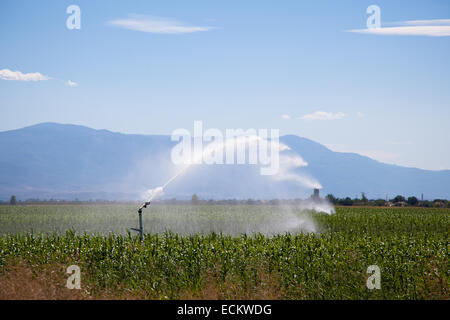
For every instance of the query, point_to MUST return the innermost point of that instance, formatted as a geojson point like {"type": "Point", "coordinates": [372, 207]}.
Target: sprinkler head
{"type": "Point", "coordinates": [144, 205]}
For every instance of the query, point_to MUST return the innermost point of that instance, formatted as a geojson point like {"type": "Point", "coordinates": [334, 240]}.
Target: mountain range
{"type": "Point", "coordinates": [63, 161]}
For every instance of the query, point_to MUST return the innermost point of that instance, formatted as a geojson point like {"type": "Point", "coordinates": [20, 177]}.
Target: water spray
{"type": "Point", "coordinates": [151, 194]}
{"type": "Point", "coordinates": [289, 163]}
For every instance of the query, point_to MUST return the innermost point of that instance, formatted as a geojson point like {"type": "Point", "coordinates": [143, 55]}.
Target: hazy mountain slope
{"type": "Point", "coordinates": [68, 161]}
{"type": "Point", "coordinates": [348, 174]}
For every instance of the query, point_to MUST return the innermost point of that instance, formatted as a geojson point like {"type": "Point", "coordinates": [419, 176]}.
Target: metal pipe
{"type": "Point", "coordinates": [141, 226]}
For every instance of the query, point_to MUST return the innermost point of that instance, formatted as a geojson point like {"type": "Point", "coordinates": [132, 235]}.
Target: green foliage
{"type": "Point", "coordinates": [364, 198]}
{"type": "Point", "coordinates": [195, 199]}
{"type": "Point", "coordinates": [410, 245]}
{"type": "Point", "coordinates": [399, 199]}
{"type": "Point", "coordinates": [331, 199]}
{"type": "Point", "coordinates": [346, 202]}
{"type": "Point", "coordinates": [412, 201]}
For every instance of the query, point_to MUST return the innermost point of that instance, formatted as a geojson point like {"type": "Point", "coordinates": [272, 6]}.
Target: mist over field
{"type": "Point", "coordinates": [180, 219]}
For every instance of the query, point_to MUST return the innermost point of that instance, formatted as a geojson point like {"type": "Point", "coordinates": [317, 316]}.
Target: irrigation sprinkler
{"type": "Point", "coordinates": [141, 227]}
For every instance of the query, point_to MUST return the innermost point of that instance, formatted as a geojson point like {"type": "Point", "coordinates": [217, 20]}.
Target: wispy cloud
{"type": "Point", "coordinates": [156, 25]}
{"type": "Point", "coordinates": [322, 115]}
{"type": "Point", "coordinates": [71, 83]}
{"type": "Point", "coordinates": [360, 114]}
{"type": "Point", "coordinates": [433, 22]}
{"type": "Point", "coordinates": [285, 116]}
{"type": "Point", "coordinates": [430, 28]}
{"type": "Point", "coordinates": [6, 74]}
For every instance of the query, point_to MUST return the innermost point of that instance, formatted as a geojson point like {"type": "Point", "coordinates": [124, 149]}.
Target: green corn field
{"type": "Point", "coordinates": [231, 252]}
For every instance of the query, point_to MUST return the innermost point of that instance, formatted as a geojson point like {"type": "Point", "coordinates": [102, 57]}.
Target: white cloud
{"type": "Point", "coordinates": [6, 74]}
{"type": "Point", "coordinates": [360, 114]}
{"type": "Point", "coordinates": [285, 116]}
{"type": "Point", "coordinates": [430, 28]}
{"type": "Point", "coordinates": [156, 25]}
{"type": "Point", "coordinates": [430, 31]}
{"type": "Point", "coordinates": [71, 83]}
{"type": "Point", "coordinates": [322, 115]}
{"type": "Point", "coordinates": [434, 22]}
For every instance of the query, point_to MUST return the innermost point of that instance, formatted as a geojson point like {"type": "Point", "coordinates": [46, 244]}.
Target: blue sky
{"type": "Point", "coordinates": [151, 67]}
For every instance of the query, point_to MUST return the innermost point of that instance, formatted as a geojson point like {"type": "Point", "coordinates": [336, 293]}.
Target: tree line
{"type": "Point", "coordinates": [399, 201]}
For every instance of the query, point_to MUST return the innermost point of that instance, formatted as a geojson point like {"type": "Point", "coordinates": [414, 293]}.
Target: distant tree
{"type": "Point", "coordinates": [427, 204]}
{"type": "Point", "coordinates": [412, 201]}
{"type": "Point", "coordinates": [346, 202]}
{"type": "Point", "coordinates": [364, 198]}
{"type": "Point", "coordinates": [13, 200]}
{"type": "Point", "coordinates": [438, 204]}
{"type": "Point", "coordinates": [195, 199]}
{"type": "Point", "coordinates": [275, 202]}
{"type": "Point", "coordinates": [399, 199]}
{"type": "Point", "coordinates": [380, 202]}
{"type": "Point", "coordinates": [250, 201]}
{"type": "Point", "coordinates": [331, 198]}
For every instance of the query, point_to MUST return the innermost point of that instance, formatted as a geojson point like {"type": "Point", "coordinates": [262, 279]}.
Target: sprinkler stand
{"type": "Point", "coordinates": [141, 227]}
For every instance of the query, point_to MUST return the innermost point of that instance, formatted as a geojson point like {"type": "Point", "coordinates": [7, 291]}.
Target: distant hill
{"type": "Point", "coordinates": [52, 160]}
